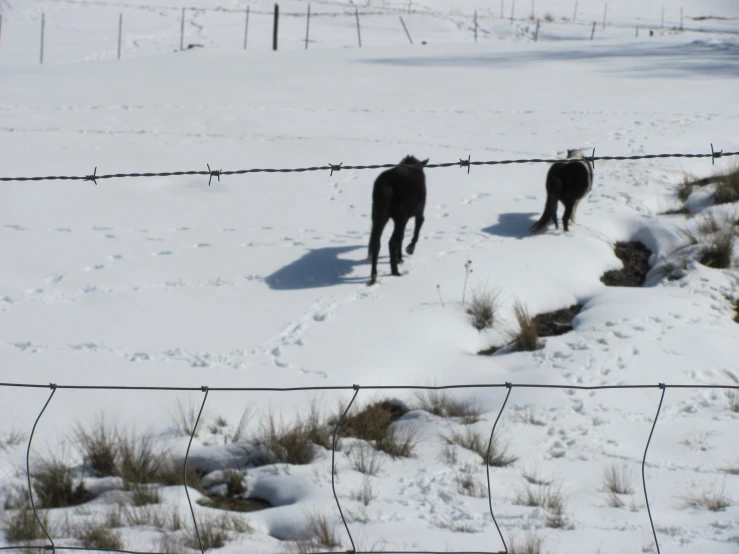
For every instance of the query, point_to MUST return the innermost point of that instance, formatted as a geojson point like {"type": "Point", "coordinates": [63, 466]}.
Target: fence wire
{"type": "Point", "coordinates": [355, 388]}
{"type": "Point", "coordinates": [462, 163]}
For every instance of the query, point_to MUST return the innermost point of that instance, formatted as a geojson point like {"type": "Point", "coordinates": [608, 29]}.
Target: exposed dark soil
{"type": "Point", "coordinates": [556, 323]}
{"type": "Point", "coordinates": [635, 257]}
{"type": "Point", "coordinates": [736, 310]}
{"type": "Point", "coordinates": [549, 324]}
{"type": "Point", "coordinates": [235, 503]}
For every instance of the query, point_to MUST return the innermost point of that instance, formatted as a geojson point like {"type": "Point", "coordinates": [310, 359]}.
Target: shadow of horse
{"type": "Point", "coordinates": [513, 225]}
{"type": "Point", "coordinates": [319, 267]}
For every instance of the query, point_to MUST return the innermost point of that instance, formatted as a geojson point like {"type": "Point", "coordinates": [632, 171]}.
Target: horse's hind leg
{"type": "Point", "coordinates": [396, 241]}
{"type": "Point", "coordinates": [374, 246]}
{"type": "Point", "coordinates": [569, 207]}
{"type": "Point", "coordinates": [419, 222]}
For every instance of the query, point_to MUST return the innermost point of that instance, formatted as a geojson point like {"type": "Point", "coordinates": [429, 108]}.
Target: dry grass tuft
{"type": "Point", "coordinates": [526, 337]}
{"type": "Point", "coordinates": [713, 499]}
{"type": "Point", "coordinates": [56, 486]}
{"type": "Point", "coordinates": [530, 543]}
{"type": "Point", "coordinates": [476, 442]}
{"type": "Point", "coordinates": [294, 444]}
{"type": "Point", "coordinates": [733, 398]}
{"type": "Point", "coordinates": [365, 459]}
{"type": "Point", "coordinates": [21, 526]}
{"type": "Point", "coordinates": [617, 481]}
{"type": "Point", "coordinates": [483, 307]}
{"type": "Point", "coordinates": [727, 187]}
{"type": "Point", "coordinates": [366, 493]}
{"type": "Point", "coordinates": [97, 536]}
{"type": "Point", "coordinates": [715, 236]}
{"type": "Point", "coordinates": [442, 404]}
{"type": "Point", "coordinates": [215, 531]}
{"type": "Point", "coordinates": [398, 443]}
{"type": "Point", "coordinates": [527, 415]}
{"type": "Point", "coordinates": [548, 497]}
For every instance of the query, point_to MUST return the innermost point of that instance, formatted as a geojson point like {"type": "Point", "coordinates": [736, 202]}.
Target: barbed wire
{"type": "Point", "coordinates": [355, 388]}
{"type": "Point", "coordinates": [462, 163]}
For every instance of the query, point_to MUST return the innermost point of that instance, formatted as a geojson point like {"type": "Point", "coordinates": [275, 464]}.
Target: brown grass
{"type": "Point", "coordinates": [530, 543]}
{"type": "Point", "coordinates": [716, 237]}
{"type": "Point", "coordinates": [526, 337]}
{"type": "Point", "coordinates": [550, 498]}
{"type": "Point", "coordinates": [96, 536]}
{"type": "Point", "coordinates": [443, 404]}
{"type": "Point", "coordinates": [483, 307]}
{"type": "Point", "coordinates": [55, 486]}
{"type": "Point", "coordinates": [365, 459]}
{"type": "Point", "coordinates": [476, 442]}
{"type": "Point", "coordinates": [617, 481]}
{"type": "Point", "coordinates": [22, 526]}
{"type": "Point", "coordinates": [727, 188]}
{"type": "Point", "coordinates": [713, 499]}
{"type": "Point", "coordinates": [294, 443]}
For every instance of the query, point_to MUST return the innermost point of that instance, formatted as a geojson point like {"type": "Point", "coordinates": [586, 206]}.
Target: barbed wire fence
{"type": "Point", "coordinates": [476, 23]}
{"type": "Point", "coordinates": [355, 388]}
{"type": "Point", "coordinates": [462, 163]}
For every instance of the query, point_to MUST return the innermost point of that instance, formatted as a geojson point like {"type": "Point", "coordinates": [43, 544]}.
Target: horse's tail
{"type": "Point", "coordinates": [554, 189]}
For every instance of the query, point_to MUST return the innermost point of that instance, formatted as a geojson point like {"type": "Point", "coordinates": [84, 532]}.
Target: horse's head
{"type": "Point", "coordinates": [412, 160]}
{"type": "Point", "coordinates": [576, 153]}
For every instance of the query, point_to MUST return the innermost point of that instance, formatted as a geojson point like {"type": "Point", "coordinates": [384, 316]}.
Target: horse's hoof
{"type": "Point", "coordinates": [372, 281]}
{"type": "Point", "coordinates": [410, 250]}
{"type": "Point", "coordinates": [396, 273]}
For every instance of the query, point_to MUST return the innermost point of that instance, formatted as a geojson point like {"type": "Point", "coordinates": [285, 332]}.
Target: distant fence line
{"type": "Point", "coordinates": [352, 11]}
{"type": "Point", "coordinates": [462, 163]}
{"type": "Point", "coordinates": [355, 388]}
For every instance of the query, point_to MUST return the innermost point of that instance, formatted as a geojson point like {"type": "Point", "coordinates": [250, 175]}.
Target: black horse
{"type": "Point", "coordinates": [399, 194]}
{"type": "Point", "coordinates": [568, 182]}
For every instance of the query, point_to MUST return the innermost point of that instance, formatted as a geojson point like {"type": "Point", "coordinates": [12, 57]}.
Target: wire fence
{"type": "Point", "coordinates": [52, 546]}
{"type": "Point", "coordinates": [462, 163]}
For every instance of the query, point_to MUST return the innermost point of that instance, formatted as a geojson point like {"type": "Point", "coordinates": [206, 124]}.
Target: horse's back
{"type": "Point", "coordinates": [574, 176]}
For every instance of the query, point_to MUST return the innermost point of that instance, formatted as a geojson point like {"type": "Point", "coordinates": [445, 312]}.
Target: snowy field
{"type": "Point", "coordinates": [260, 280]}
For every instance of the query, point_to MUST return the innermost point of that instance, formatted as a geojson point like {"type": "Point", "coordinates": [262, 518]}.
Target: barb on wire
{"type": "Point", "coordinates": [213, 174]}
{"type": "Point", "coordinates": [333, 466]}
{"type": "Point", "coordinates": [509, 386]}
{"type": "Point", "coordinates": [52, 386]}
{"type": "Point", "coordinates": [334, 168]}
{"type": "Point", "coordinates": [187, 454]}
{"type": "Point", "coordinates": [715, 155]}
{"type": "Point", "coordinates": [465, 163]}
{"type": "Point", "coordinates": [644, 461]}
{"type": "Point", "coordinates": [338, 167]}
{"type": "Point", "coordinates": [93, 177]}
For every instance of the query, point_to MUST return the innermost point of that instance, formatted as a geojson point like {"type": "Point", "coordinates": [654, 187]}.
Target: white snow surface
{"type": "Point", "coordinates": [260, 280]}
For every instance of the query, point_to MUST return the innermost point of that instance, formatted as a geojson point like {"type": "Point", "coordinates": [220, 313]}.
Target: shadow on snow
{"type": "Point", "coordinates": [513, 225]}
{"type": "Point", "coordinates": [319, 267]}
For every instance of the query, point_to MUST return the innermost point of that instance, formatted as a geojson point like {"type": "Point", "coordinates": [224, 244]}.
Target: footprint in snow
{"type": "Point", "coordinates": [163, 253]}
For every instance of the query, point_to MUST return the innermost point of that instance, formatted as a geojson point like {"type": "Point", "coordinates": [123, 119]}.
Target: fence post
{"type": "Point", "coordinates": [120, 32]}
{"type": "Point", "coordinates": [182, 30]}
{"type": "Point", "coordinates": [307, 28]}
{"type": "Point", "coordinates": [533, 10]}
{"type": "Point", "coordinates": [513, 7]}
{"type": "Point", "coordinates": [592, 32]}
{"type": "Point", "coordinates": [637, 30]}
{"type": "Point", "coordinates": [409, 7]}
{"type": "Point", "coordinates": [605, 11]}
{"type": "Point", "coordinates": [662, 24]}
{"type": "Point", "coordinates": [359, 31]}
{"type": "Point", "coordinates": [536, 34]}
{"type": "Point", "coordinates": [246, 26]}
{"type": "Point", "coordinates": [681, 19]}
{"type": "Point", "coordinates": [406, 29]}
{"type": "Point", "coordinates": [274, 28]}
{"type": "Point", "coordinates": [574, 15]}
{"type": "Point", "coordinates": [475, 25]}
{"type": "Point", "coordinates": [43, 26]}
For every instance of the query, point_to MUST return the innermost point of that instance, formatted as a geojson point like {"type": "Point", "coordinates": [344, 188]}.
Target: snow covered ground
{"type": "Point", "coordinates": [260, 280]}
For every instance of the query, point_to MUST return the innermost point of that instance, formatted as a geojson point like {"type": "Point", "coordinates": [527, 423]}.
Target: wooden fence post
{"type": "Point", "coordinates": [43, 27]}
{"type": "Point", "coordinates": [182, 30]}
{"type": "Point", "coordinates": [359, 31]}
{"type": "Point", "coordinates": [274, 28]}
{"type": "Point", "coordinates": [406, 29]}
{"type": "Point", "coordinates": [120, 33]}
{"type": "Point", "coordinates": [246, 26]}
{"type": "Point", "coordinates": [307, 28]}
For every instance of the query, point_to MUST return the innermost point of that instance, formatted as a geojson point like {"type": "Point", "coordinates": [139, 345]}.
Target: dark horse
{"type": "Point", "coordinates": [568, 182]}
{"type": "Point", "coordinates": [399, 194]}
